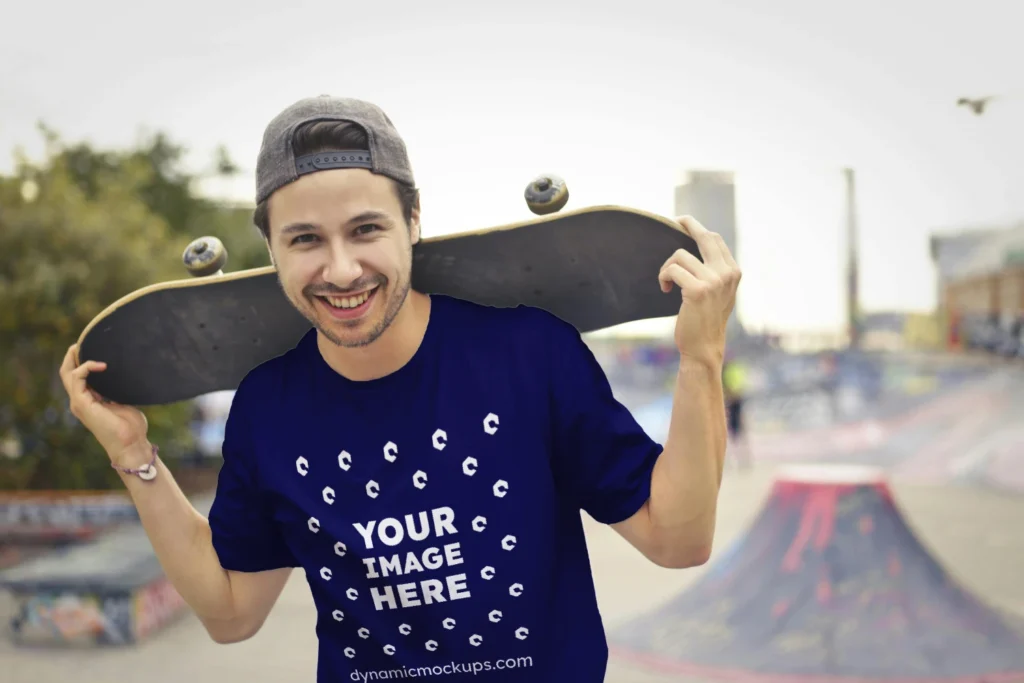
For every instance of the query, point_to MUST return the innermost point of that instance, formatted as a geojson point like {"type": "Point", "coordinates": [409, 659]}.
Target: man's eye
{"type": "Point", "coordinates": [367, 228]}
{"type": "Point", "coordinates": [303, 238]}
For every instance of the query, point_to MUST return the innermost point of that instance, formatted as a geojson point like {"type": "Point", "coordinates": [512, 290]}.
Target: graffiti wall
{"type": "Point", "coordinates": [155, 606]}
{"type": "Point", "coordinates": [110, 591]}
{"type": "Point", "coordinates": [49, 515]}
{"type": "Point", "coordinates": [90, 618]}
{"type": "Point", "coordinates": [74, 618]}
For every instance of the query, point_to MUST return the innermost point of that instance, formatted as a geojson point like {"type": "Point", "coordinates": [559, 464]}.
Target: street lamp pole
{"type": "Point", "coordinates": [852, 265]}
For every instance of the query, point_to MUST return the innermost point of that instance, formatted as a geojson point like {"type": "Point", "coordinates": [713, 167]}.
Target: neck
{"type": "Point", "coordinates": [389, 352]}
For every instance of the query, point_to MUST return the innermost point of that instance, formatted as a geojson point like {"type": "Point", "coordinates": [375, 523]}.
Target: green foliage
{"type": "Point", "coordinates": [79, 230]}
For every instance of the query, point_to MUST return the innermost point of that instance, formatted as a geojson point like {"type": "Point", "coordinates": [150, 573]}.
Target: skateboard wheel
{"type": "Point", "coordinates": [546, 194]}
{"type": "Point", "coordinates": [204, 256]}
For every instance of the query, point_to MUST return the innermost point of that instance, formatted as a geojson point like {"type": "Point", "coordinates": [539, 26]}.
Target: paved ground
{"type": "Point", "coordinates": [977, 533]}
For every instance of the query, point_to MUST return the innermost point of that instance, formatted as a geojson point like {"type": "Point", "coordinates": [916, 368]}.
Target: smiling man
{"type": "Point", "coordinates": [424, 459]}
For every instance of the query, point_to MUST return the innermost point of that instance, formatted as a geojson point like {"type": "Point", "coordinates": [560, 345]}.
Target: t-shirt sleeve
{"type": "Point", "coordinates": [245, 535]}
{"type": "Point", "coordinates": [603, 459]}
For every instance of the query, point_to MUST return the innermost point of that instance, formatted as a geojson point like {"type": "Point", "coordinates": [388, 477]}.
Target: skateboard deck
{"type": "Point", "coordinates": [594, 267]}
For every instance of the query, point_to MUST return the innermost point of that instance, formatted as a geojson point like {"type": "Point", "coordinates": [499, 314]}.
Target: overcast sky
{"type": "Point", "coordinates": [619, 98]}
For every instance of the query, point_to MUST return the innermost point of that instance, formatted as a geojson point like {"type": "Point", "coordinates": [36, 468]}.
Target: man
{"type": "Point", "coordinates": [734, 383]}
{"type": "Point", "coordinates": [424, 459]}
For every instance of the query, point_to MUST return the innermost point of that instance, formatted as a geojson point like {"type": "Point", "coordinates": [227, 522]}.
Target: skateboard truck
{"type": "Point", "coordinates": [205, 256]}
{"type": "Point", "coordinates": [546, 194]}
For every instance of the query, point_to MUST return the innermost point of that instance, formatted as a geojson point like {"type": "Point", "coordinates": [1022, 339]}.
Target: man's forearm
{"type": "Point", "coordinates": [181, 539]}
{"type": "Point", "coordinates": [687, 476]}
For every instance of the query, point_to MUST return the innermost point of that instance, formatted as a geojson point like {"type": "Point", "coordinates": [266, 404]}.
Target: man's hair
{"type": "Point", "coordinates": [322, 136]}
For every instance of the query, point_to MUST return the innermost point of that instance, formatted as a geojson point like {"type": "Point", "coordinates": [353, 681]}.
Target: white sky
{"type": "Point", "coordinates": [618, 98]}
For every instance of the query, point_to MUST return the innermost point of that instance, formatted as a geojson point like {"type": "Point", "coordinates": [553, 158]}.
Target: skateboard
{"type": "Point", "coordinates": [594, 267]}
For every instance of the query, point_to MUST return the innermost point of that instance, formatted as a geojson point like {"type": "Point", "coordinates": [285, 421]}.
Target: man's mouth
{"type": "Point", "coordinates": [348, 301]}
{"type": "Point", "coordinates": [348, 306]}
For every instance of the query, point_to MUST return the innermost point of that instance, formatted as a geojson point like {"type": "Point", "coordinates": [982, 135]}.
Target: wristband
{"type": "Point", "coordinates": [147, 472]}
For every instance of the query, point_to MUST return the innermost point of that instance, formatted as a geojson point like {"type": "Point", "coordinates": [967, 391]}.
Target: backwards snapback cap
{"type": "Point", "coordinates": [277, 164]}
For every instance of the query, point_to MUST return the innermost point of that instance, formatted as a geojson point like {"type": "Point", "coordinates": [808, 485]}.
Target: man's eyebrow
{"type": "Point", "coordinates": [364, 217]}
{"type": "Point", "coordinates": [367, 216]}
{"type": "Point", "coordinates": [298, 227]}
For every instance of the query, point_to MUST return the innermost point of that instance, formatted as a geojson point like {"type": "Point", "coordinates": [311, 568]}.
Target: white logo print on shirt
{"type": "Point", "coordinates": [380, 535]}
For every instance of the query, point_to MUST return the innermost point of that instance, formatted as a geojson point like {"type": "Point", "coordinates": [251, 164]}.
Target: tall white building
{"type": "Point", "coordinates": [710, 197]}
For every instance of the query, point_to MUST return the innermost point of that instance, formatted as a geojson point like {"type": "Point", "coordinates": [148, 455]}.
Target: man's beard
{"type": "Point", "coordinates": [396, 298]}
{"type": "Point", "coordinates": [393, 306]}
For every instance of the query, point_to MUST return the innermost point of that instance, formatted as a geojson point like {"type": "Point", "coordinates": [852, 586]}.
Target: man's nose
{"type": "Point", "coordinates": [342, 268]}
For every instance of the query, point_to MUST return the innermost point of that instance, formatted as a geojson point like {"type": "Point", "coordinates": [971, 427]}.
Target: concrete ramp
{"type": "Point", "coordinates": [829, 583]}
{"type": "Point", "coordinates": [108, 592]}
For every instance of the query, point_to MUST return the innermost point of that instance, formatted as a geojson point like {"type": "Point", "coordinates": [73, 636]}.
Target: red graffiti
{"type": "Point", "coordinates": [155, 605]}
{"type": "Point", "coordinates": [819, 510]}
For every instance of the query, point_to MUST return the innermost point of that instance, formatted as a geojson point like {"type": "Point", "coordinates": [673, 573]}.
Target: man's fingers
{"type": "Point", "coordinates": [88, 367]}
{"type": "Point", "coordinates": [674, 273]}
{"type": "Point", "coordinates": [74, 375]}
{"type": "Point", "coordinates": [726, 253]}
{"type": "Point", "coordinates": [711, 245]}
{"type": "Point", "coordinates": [721, 267]}
{"type": "Point", "coordinates": [66, 368]}
{"type": "Point", "coordinates": [96, 397]}
{"type": "Point", "coordinates": [78, 377]}
{"type": "Point", "coordinates": [691, 263]}
{"type": "Point", "coordinates": [709, 248]}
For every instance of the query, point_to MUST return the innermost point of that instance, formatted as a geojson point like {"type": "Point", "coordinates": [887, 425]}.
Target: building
{"type": "Point", "coordinates": [980, 282]}
{"type": "Point", "coordinates": [710, 197]}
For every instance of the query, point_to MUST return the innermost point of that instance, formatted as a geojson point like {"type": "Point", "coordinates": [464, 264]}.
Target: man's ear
{"type": "Point", "coordinates": [270, 251]}
{"type": "Point", "coordinates": [414, 222]}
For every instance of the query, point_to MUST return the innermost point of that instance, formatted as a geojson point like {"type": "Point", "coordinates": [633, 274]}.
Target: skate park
{"type": "Point", "coordinates": [871, 531]}
{"type": "Point", "coordinates": [870, 524]}
{"type": "Point", "coordinates": [868, 529]}
{"type": "Point", "coordinates": [850, 548]}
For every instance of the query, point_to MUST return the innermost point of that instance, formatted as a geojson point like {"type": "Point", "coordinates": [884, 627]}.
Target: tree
{"type": "Point", "coordinates": [79, 230]}
{"type": "Point", "coordinates": [169, 192]}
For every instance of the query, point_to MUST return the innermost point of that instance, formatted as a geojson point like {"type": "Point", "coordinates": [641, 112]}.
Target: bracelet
{"type": "Point", "coordinates": [147, 472]}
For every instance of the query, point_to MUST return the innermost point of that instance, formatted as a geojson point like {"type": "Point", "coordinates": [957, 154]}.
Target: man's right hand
{"type": "Point", "coordinates": [231, 605]}
{"type": "Point", "coordinates": [120, 429]}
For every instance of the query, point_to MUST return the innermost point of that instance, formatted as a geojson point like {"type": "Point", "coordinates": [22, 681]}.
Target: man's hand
{"type": "Point", "coordinates": [676, 526]}
{"type": "Point", "coordinates": [120, 429]}
{"type": "Point", "coordinates": [708, 292]}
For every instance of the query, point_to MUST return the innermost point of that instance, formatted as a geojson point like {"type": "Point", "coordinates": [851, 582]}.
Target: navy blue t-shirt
{"type": "Point", "coordinates": [436, 511]}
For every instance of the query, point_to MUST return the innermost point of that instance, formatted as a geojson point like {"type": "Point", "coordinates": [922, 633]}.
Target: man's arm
{"type": "Point", "coordinates": [676, 526]}
{"type": "Point", "coordinates": [231, 605]}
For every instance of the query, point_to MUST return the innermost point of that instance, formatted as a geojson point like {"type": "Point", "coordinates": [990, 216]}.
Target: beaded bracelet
{"type": "Point", "coordinates": [147, 472]}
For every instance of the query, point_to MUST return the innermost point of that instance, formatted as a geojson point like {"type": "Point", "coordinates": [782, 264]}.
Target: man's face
{"type": "Point", "coordinates": [343, 252]}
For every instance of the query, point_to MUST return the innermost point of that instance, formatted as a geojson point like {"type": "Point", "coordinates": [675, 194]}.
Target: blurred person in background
{"type": "Point", "coordinates": [735, 385]}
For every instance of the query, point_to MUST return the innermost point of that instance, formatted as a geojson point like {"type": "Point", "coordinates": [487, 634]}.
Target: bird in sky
{"type": "Point", "coordinates": [977, 105]}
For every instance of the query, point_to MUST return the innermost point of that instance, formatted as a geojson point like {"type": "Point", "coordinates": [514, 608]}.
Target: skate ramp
{"type": "Point", "coordinates": [956, 424]}
{"type": "Point", "coordinates": [829, 583]}
{"type": "Point", "coordinates": [111, 591]}
{"type": "Point", "coordinates": [974, 437]}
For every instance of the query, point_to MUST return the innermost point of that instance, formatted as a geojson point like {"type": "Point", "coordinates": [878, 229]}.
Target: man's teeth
{"type": "Point", "coordinates": [348, 301]}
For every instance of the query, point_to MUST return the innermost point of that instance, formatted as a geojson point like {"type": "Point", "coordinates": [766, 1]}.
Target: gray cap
{"type": "Point", "coordinates": [277, 165]}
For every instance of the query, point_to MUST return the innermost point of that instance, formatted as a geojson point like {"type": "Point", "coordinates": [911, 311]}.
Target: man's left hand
{"type": "Point", "coordinates": [708, 291]}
